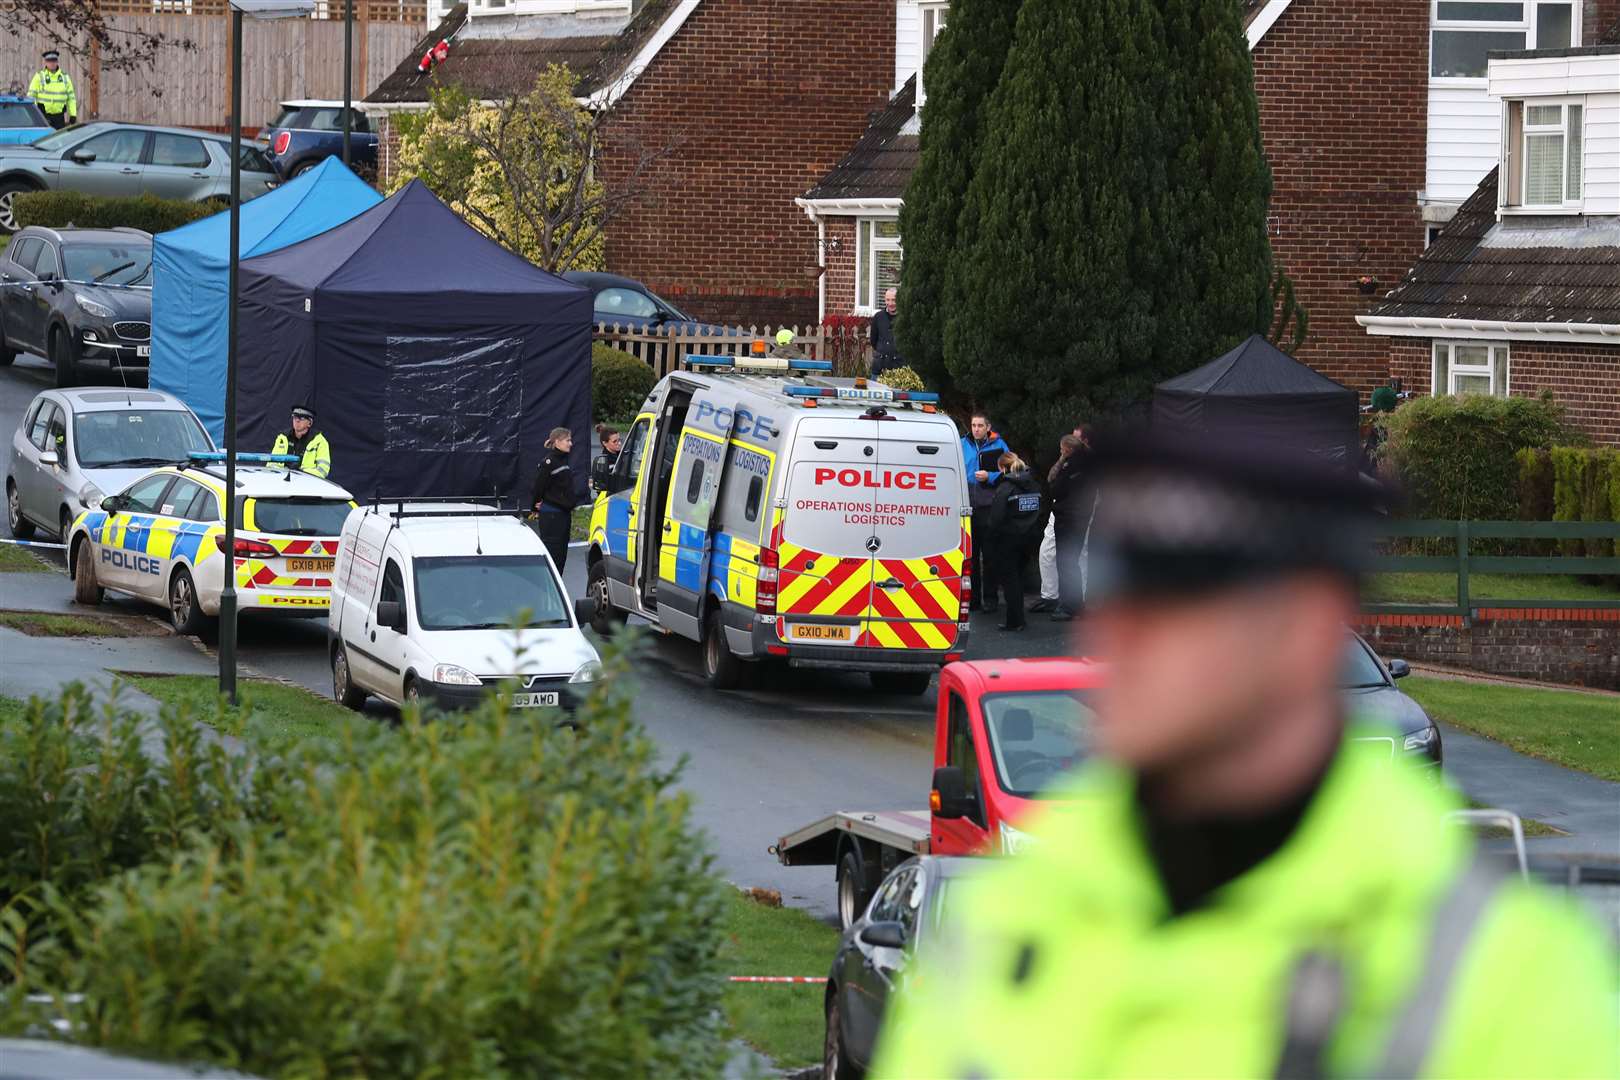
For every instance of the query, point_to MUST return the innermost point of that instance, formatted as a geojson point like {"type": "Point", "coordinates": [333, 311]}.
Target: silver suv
{"type": "Point", "coordinates": [129, 159]}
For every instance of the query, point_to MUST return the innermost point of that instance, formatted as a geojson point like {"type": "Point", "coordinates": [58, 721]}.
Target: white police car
{"type": "Point", "coordinates": [163, 539]}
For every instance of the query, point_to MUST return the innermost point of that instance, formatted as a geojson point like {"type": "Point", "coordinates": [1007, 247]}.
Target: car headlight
{"type": "Point", "coordinates": [90, 496]}
{"type": "Point", "coordinates": [589, 671]}
{"type": "Point", "coordinates": [1420, 740]}
{"type": "Point", "coordinates": [90, 307]}
{"type": "Point", "coordinates": [452, 675]}
{"type": "Point", "coordinates": [1015, 841]}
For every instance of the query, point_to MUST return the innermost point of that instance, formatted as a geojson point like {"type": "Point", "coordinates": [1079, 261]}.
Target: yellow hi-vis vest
{"type": "Point", "coordinates": [317, 460]}
{"type": "Point", "coordinates": [54, 92]}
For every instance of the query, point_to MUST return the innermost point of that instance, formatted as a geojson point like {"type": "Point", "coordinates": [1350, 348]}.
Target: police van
{"type": "Point", "coordinates": [766, 509]}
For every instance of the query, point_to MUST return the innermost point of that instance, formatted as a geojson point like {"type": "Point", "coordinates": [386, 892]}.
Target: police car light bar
{"type": "Point", "coordinates": [251, 459]}
{"type": "Point", "coordinates": [756, 363]}
{"type": "Point", "coordinates": [850, 393]}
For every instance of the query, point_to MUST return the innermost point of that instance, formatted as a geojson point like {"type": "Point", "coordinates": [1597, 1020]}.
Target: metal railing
{"type": "Point", "coordinates": [1463, 562]}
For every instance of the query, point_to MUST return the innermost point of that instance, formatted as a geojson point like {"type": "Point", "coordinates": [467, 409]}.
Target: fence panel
{"type": "Point", "coordinates": [664, 348]}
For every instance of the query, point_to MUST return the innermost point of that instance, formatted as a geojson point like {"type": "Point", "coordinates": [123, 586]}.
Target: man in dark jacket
{"type": "Point", "coordinates": [980, 449]}
{"type": "Point", "coordinates": [553, 496]}
{"type": "Point", "coordinates": [1014, 513]}
{"type": "Point", "coordinates": [1071, 512]}
{"type": "Point", "coordinates": [885, 354]}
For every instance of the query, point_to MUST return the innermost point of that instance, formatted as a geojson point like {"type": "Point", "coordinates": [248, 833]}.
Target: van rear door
{"type": "Point", "coordinates": [918, 537]}
{"type": "Point", "coordinates": [826, 569]}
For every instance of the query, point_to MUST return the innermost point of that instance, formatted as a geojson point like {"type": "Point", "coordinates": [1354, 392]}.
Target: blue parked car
{"type": "Point", "coordinates": [21, 120]}
{"type": "Point", "coordinates": [305, 133]}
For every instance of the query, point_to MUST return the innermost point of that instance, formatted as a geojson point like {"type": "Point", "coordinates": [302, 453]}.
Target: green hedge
{"type": "Point", "coordinates": [57, 209]}
{"type": "Point", "coordinates": [478, 896]}
{"type": "Point", "coordinates": [901, 378]}
{"type": "Point", "coordinates": [619, 383]}
{"type": "Point", "coordinates": [1569, 483]}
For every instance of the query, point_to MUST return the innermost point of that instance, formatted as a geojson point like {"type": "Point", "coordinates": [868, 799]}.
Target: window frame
{"type": "Point", "coordinates": [932, 18]}
{"type": "Point", "coordinates": [1528, 26]}
{"type": "Point", "coordinates": [1452, 369]}
{"type": "Point", "coordinates": [1517, 131]}
{"type": "Point", "coordinates": [868, 245]}
{"type": "Point", "coordinates": [30, 244]}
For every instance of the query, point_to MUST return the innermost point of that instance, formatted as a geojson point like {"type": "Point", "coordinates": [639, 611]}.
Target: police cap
{"type": "Point", "coordinates": [303, 412]}
{"type": "Point", "coordinates": [50, 54]}
{"type": "Point", "coordinates": [1179, 514]}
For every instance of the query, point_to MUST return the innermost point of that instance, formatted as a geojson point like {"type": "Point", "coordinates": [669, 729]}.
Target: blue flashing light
{"type": "Point", "coordinates": [763, 364]}
{"type": "Point", "coordinates": [250, 459]}
{"type": "Point", "coordinates": [875, 393]}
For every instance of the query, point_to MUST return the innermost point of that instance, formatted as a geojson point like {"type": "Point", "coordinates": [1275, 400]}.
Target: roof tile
{"type": "Point", "coordinates": [881, 164]}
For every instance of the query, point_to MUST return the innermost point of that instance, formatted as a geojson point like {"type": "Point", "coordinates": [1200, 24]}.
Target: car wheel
{"type": "Point", "coordinates": [413, 692]}
{"type": "Point", "coordinates": [835, 1063]}
{"type": "Point", "coordinates": [720, 666]}
{"type": "Point", "coordinates": [9, 190]}
{"type": "Point", "coordinates": [604, 619]}
{"type": "Point", "coordinates": [303, 168]}
{"type": "Point", "coordinates": [901, 682]}
{"type": "Point", "coordinates": [63, 359]}
{"type": "Point", "coordinates": [7, 354]}
{"type": "Point", "coordinates": [185, 614]}
{"type": "Point", "coordinates": [344, 692]}
{"type": "Point", "coordinates": [64, 525]}
{"type": "Point", "coordinates": [20, 526]}
{"type": "Point", "coordinates": [851, 890]}
{"type": "Point", "coordinates": [85, 589]}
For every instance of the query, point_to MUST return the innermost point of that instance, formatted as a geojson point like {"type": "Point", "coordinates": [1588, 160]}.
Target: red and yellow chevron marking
{"type": "Point", "coordinates": [254, 574]}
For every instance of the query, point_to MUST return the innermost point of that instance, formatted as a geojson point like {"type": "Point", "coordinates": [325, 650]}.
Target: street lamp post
{"type": "Point", "coordinates": [258, 9]}
{"type": "Point", "coordinates": [348, 74]}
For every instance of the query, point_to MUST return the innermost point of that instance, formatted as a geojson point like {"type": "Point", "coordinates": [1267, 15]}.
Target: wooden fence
{"type": "Point", "coordinates": [281, 60]}
{"type": "Point", "coordinates": [663, 348]}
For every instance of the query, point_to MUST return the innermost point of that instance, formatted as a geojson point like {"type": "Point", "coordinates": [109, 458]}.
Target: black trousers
{"type": "Point", "coordinates": [1007, 571]}
{"type": "Point", "coordinates": [1071, 537]}
{"type": "Point", "coordinates": [981, 559]}
{"type": "Point", "coordinates": [552, 525]}
{"type": "Point", "coordinates": [57, 120]}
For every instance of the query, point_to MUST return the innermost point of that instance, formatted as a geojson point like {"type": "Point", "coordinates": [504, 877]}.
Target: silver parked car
{"type": "Point", "coordinates": [129, 159]}
{"type": "Point", "coordinates": [75, 446]}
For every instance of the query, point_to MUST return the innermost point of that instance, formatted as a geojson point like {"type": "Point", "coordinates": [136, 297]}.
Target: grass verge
{"type": "Point", "coordinates": [45, 624]}
{"type": "Point", "coordinates": [268, 712]}
{"type": "Point", "coordinates": [10, 709]}
{"type": "Point", "coordinates": [1579, 731]}
{"type": "Point", "coordinates": [1532, 827]}
{"type": "Point", "coordinates": [781, 1020]}
{"type": "Point", "coordinates": [1442, 588]}
{"type": "Point", "coordinates": [17, 560]}
{"type": "Point", "coordinates": [579, 528]}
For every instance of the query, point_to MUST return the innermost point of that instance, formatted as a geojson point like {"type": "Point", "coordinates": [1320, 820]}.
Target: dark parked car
{"type": "Point", "coordinates": [21, 120]}
{"type": "Point", "coordinates": [630, 304]}
{"type": "Point", "coordinates": [874, 951]}
{"type": "Point", "coordinates": [305, 133]}
{"type": "Point", "coordinates": [129, 159]}
{"type": "Point", "coordinates": [78, 297]}
{"type": "Point", "coordinates": [1373, 699]}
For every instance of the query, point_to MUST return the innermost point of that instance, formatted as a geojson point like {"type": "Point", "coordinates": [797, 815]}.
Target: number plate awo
{"type": "Point", "coordinates": [535, 700]}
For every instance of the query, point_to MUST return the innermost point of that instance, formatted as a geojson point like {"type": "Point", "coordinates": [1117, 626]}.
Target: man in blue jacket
{"type": "Point", "coordinates": [980, 450]}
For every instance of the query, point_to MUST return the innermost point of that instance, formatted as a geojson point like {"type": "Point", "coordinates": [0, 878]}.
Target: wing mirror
{"type": "Point", "coordinates": [49, 457]}
{"type": "Point", "coordinates": [1399, 669]}
{"type": "Point", "coordinates": [884, 935]}
{"type": "Point", "coordinates": [111, 504]}
{"type": "Point", "coordinates": [83, 157]}
{"type": "Point", "coordinates": [950, 798]}
{"type": "Point", "coordinates": [391, 614]}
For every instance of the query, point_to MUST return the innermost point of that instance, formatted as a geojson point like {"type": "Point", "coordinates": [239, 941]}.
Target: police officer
{"type": "Point", "coordinates": [305, 443]}
{"type": "Point", "coordinates": [52, 88]}
{"type": "Point", "coordinates": [1014, 513]}
{"type": "Point", "coordinates": [553, 495]}
{"type": "Point", "coordinates": [785, 349]}
{"type": "Point", "coordinates": [1241, 889]}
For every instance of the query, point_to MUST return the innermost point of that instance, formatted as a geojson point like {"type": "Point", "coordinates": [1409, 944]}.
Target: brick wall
{"type": "Point", "coordinates": [840, 266]}
{"type": "Point", "coordinates": [763, 97]}
{"type": "Point", "coordinates": [1343, 89]}
{"type": "Point", "coordinates": [1599, 17]}
{"type": "Point", "coordinates": [1581, 648]}
{"type": "Point", "coordinates": [1585, 379]}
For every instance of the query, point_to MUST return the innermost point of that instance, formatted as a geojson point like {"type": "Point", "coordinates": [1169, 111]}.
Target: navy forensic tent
{"type": "Point", "coordinates": [1262, 392]}
{"type": "Point", "coordinates": [436, 360]}
{"type": "Point", "coordinates": [191, 275]}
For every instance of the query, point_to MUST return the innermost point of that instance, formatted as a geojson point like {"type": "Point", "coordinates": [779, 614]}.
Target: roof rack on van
{"type": "Point", "coordinates": [761, 364]}
{"type": "Point", "coordinates": [412, 506]}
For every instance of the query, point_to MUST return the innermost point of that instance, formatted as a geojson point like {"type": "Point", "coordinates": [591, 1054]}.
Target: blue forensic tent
{"type": "Point", "coordinates": [436, 360]}
{"type": "Point", "coordinates": [191, 275]}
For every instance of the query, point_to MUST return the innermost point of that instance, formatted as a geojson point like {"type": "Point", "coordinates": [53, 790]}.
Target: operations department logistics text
{"type": "Point", "coordinates": [859, 513]}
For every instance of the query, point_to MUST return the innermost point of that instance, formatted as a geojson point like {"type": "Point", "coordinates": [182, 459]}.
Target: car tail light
{"type": "Point", "coordinates": [770, 572]}
{"type": "Point", "coordinates": [283, 140]}
{"type": "Point", "coordinates": [247, 549]}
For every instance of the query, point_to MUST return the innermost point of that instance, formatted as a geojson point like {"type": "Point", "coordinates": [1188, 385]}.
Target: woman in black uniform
{"type": "Point", "coordinates": [553, 496]}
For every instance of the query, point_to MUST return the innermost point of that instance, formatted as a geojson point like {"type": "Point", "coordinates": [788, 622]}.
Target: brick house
{"type": "Point", "coordinates": [1520, 294]}
{"type": "Point", "coordinates": [760, 96]}
{"type": "Point", "coordinates": [1376, 119]}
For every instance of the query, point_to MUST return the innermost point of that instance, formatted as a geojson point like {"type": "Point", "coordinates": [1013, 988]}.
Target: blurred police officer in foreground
{"type": "Point", "coordinates": [1243, 890]}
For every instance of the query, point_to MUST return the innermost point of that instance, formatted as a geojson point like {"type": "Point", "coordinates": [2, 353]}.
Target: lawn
{"type": "Point", "coordinates": [44, 624]}
{"type": "Point", "coordinates": [268, 713]}
{"type": "Point", "coordinates": [10, 709]}
{"type": "Point", "coordinates": [17, 560]}
{"type": "Point", "coordinates": [1580, 731]}
{"type": "Point", "coordinates": [580, 527]}
{"type": "Point", "coordinates": [1532, 827]}
{"type": "Point", "coordinates": [1442, 588]}
{"type": "Point", "coordinates": [782, 1020]}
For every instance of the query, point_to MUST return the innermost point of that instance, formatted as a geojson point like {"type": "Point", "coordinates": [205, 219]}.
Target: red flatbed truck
{"type": "Point", "coordinates": [1003, 731]}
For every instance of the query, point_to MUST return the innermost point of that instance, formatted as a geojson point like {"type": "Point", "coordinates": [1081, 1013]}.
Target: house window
{"type": "Point", "coordinates": [1463, 367]}
{"type": "Point", "coordinates": [932, 20]}
{"type": "Point", "coordinates": [1544, 143]}
{"type": "Point", "coordinates": [878, 257]}
{"type": "Point", "coordinates": [1464, 32]}
{"type": "Point", "coordinates": [1431, 233]}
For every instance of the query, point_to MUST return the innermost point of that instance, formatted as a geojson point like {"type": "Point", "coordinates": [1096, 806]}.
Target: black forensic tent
{"type": "Point", "coordinates": [436, 360]}
{"type": "Point", "coordinates": [1261, 391]}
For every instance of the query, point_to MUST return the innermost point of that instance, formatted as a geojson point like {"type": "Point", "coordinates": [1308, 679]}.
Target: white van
{"type": "Point", "coordinates": [770, 510]}
{"type": "Point", "coordinates": [424, 598]}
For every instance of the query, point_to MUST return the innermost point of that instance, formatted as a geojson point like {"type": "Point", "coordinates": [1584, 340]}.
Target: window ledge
{"type": "Point", "coordinates": [1569, 210]}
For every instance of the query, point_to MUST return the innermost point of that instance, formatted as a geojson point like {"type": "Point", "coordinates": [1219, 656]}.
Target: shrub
{"type": "Point", "coordinates": [58, 209]}
{"type": "Point", "coordinates": [619, 383]}
{"type": "Point", "coordinates": [902, 378]}
{"type": "Point", "coordinates": [484, 896]}
{"type": "Point", "coordinates": [1457, 457]}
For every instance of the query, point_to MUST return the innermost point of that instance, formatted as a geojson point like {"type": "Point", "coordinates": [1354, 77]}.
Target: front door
{"type": "Point", "coordinates": [624, 514]}
{"type": "Point", "coordinates": [376, 659]}
{"type": "Point", "coordinates": [658, 475]}
{"type": "Point", "coordinates": [116, 169]}
{"type": "Point", "coordinates": [124, 562]}
{"type": "Point", "coordinates": [36, 305]}
{"type": "Point", "coordinates": [17, 288]}
{"type": "Point", "coordinates": [971, 834]}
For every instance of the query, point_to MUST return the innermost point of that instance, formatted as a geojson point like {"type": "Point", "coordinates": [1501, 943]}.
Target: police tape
{"type": "Point", "coordinates": [777, 978]}
{"type": "Point", "coordinates": [32, 543]}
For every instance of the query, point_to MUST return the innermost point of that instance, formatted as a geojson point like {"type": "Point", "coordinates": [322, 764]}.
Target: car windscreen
{"type": "Point", "coordinates": [674, 312]}
{"type": "Point", "coordinates": [298, 516]}
{"type": "Point", "coordinates": [1360, 669]}
{"type": "Point", "coordinates": [20, 114]}
{"type": "Point", "coordinates": [70, 136]}
{"type": "Point", "coordinates": [108, 264]}
{"type": "Point", "coordinates": [1036, 737]}
{"type": "Point", "coordinates": [135, 438]}
{"type": "Point", "coordinates": [488, 592]}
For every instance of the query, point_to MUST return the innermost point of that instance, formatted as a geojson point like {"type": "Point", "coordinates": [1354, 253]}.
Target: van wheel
{"type": "Point", "coordinates": [901, 682]}
{"type": "Point", "coordinates": [605, 620]}
{"type": "Point", "coordinates": [720, 667]}
{"type": "Point", "coordinates": [85, 589]}
{"type": "Point", "coordinates": [851, 890]}
{"type": "Point", "coordinates": [20, 527]}
{"type": "Point", "coordinates": [344, 692]}
{"type": "Point", "coordinates": [185, 614]}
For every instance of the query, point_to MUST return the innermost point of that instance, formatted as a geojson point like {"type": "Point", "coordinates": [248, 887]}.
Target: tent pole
{"type": "Point", "coordinates": [227, 597]}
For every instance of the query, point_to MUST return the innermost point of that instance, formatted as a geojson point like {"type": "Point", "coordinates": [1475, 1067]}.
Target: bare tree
{"type": "Point", "coordinates": [79, 27]}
